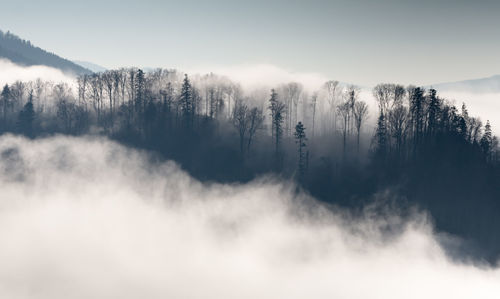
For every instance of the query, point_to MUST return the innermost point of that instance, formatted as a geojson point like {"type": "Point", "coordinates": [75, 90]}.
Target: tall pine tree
{"type": "Point", "coordinates": [300, 140]}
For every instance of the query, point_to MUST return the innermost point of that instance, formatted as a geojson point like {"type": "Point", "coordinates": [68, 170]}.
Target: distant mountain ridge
{"type": "Point", "coordinates": [22, 52]}
{"type": "Point", "coordinates": [482, 85]}
{"type": "Point", "coordinates": [91, 66]}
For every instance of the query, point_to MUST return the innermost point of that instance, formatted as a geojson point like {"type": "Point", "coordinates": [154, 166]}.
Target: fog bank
{"type": "Point", "coordinates": [87, 218]}
{"type": "Point", "coordinates": [483, 105]}
{"type": "Point", "coordinates": [10, 72]}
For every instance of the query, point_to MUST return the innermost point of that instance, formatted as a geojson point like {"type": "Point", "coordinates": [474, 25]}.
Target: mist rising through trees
{"type": "Point", "coordinates": [423, 148]}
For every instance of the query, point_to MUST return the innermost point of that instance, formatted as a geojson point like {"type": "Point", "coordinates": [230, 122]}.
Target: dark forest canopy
{"type": "Point", "coordinates": [421, 150]}
{"type": "Point", "coordinates": [22, 52]}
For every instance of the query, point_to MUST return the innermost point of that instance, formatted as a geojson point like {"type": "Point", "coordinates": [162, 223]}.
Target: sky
{"type": "Point", "coordinates": [363, 42]}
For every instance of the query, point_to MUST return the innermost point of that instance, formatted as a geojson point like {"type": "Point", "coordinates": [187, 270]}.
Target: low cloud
{"type": "Point", "coordinates": [10, 72]}
{"type": "Point", "coordinates": [483, 105]}
{"type": "Point", "coordinates": [88, 218]}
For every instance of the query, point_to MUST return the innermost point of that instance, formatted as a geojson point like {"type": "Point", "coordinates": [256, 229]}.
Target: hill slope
{"type": "Point", "coordinates": [482, 85]}
{"type": "Point", "coordinates": [22, 52]}
{"type": "Point", "coordinates": [91, 66]}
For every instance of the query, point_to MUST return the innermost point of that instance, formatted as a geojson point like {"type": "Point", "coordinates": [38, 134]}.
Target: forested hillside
{"type": "Point", "coordinates": [22, 52]}
{"type": "Point", "coordinates": [424, 151]}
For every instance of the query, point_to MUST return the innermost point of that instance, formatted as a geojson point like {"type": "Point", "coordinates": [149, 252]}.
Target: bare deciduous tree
{"type": "Point", "coordinates": [332, 90]}
{"type": "Point", "coordinates": [360, 112]}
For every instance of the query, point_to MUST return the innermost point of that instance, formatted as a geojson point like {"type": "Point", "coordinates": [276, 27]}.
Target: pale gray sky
{"type": "Point", "coordinates": [364, 42]}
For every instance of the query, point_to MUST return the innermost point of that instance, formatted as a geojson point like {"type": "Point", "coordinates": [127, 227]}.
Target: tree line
{"type": "Point", "coordinates": [328, 140]}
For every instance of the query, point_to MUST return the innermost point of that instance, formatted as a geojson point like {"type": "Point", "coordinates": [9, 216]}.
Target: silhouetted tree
{"type": "Point", "coordinates": [292, 94]}
{"type": "Point", "coordinates": [140, 92]}
{"type": "Point", "coordinates": [5, 98]}
{"type": "Point", "coordinates": [486, 140]}
{"type": "Point", "coordinates": [344, 110]}
{"type": "Point", "coordinates": [66, 115]}
{"type": "Point", "coordinates": [381, 138]}
{"type": "Point", "coordinates": [314, 102]}
{"type": "Point", "coordinates": [82, 82]}
{"type": "Point", "coordinates": [474, 129]}
{"type": "Point", "coordinates": [96, 95]}
{"type": "Point", "coordinates": [388, 95]}
{"type": "Point", "coordinates": [277, 109]}
{"type": "Point", "coordinates": [109, 83]}
{"type": "Point", "coordinates": [332, 89]}
{"type": "Point", "coordinates": [434, 110]}
{"type": "Point", "coordinates": [255, 124]}
{"type": "Point", "coordinates": [186, 102]}
{"type": "Point", "coordinates": [360, 114]}
{"type": "Point", "coordinates": [26, 117]}
{"type": "Point", "coordinates": [300, 140]}
{"type": "Point", "coordinates": [417, 101]}
{"type": "Point", "coordinates": [241, 122]}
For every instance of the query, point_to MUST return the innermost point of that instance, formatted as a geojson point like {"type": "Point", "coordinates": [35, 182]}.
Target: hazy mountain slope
{"type": "Point", "coordinates": [91, 66]}
{"type": "Point", "coordinates": [482, 85]}
{"type": "Point", "coordinates": [23, 52]}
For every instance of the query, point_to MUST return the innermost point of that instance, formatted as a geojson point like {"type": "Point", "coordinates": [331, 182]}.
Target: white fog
{"type": "Point", "coordinates": [88, 218]}
{"type": "Point", "coordinates": [10, 72]}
